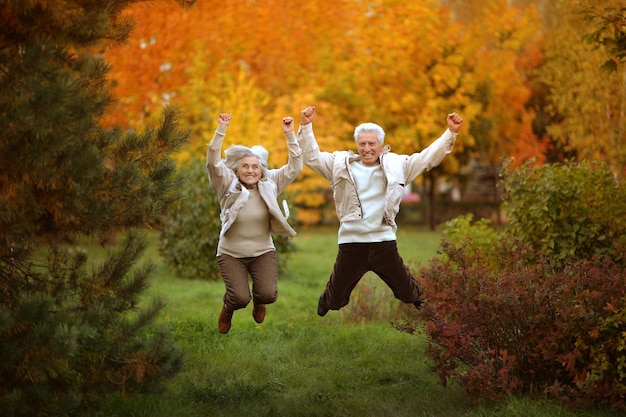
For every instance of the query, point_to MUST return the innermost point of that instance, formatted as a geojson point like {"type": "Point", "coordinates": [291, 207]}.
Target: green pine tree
{"type": "Point", "coordinates": [71, 332]}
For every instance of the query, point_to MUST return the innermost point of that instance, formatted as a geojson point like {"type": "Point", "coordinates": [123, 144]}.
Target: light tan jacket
{"type": "Point", "coordinates": [399, 170]}
{"type": "Point", "coordinates": [232, 195]}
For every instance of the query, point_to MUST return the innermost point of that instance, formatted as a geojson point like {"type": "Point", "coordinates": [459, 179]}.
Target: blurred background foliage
{"type": "Point", "coordinates": [527, 76]}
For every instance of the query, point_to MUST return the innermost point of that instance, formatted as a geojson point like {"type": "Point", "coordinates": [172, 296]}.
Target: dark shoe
{"type": "Point", "coordinates": [225, 320]}
{"type": "Point", "coordinates": [420, 301]}
{"type": "Point", "coordinates": [321, 307]}
{"type": "Point", "coordinates": [258, 312]}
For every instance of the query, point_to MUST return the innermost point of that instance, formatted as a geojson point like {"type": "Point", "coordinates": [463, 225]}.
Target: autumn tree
{"type": "Point", "coordinates": [609, 32]}
{"type": "Point", "coordinates": [279, 48]}
{"type": "Point", "coordinates": [401, 64]}
{"type": "Point", "coordinates": [586, 103]}
{"type": "Point", "coordinates": [422, 62]}
{"type": "Point", "coordinates": [71, 331]}
{"type": "Point", "coordinates": [261, 71]}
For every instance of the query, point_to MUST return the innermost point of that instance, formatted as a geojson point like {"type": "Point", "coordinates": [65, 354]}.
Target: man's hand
{"type": "Point", "coordinates": [288, 124]}
{"type": "Point", "coordinates": [307, 115]}
{"type": "Point", "coordinates": [224, 119]}
{"type": "Point", "coordinates": [454, 122]}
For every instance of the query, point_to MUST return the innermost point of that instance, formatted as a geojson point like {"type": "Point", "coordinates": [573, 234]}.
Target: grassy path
{"type": "Point", "coordinates": [299, 364]}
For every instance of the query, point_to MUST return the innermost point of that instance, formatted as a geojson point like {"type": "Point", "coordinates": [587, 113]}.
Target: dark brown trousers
{"type": "Point", "coordinates": [382, 258]}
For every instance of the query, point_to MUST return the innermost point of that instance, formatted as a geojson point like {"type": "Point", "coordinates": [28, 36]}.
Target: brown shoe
{"type": "Point", "coordinates": [258, 312]}
{"type": "Point", "coordinates": [224, 320]}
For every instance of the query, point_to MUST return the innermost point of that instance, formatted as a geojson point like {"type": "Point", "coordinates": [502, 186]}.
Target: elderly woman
{"type": "Point", "coordinates": [247, 191]}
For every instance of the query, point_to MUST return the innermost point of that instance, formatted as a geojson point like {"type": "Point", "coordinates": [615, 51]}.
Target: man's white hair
{"type": "Point", "coordinates": [369, 126]}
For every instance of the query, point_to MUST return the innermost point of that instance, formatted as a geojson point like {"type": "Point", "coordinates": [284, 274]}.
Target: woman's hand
{"type": "Point", "coordinates": [224, 119]}
{"type": "Point", "coordinates": [288, 124]}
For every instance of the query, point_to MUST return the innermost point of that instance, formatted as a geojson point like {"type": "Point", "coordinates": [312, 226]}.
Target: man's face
{"type": "Point", "coordinates": [369, 147]}
{"type": "Point", "coordinates": [249, 171]}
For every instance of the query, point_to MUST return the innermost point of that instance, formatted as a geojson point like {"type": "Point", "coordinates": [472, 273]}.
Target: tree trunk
{"type": "Point", "coordinates": [431, 200]}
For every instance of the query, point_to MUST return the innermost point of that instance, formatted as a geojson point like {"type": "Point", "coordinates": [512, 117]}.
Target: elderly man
{"type": "Point", "coordinates": [367, 189]}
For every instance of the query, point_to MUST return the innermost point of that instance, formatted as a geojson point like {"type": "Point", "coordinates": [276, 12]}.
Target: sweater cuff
{"type": "Point", "coordinates": [306, 128]}
{"type": "Point", "coordinates": [291, 137]}
{"type": "Point", "coordinates": [221, 129]}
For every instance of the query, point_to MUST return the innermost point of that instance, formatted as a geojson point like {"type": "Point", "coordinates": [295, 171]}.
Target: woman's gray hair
{"type": "Point", "coordinates": [235, 153]}
{"type": "Point", "coordinates": [370, 127]}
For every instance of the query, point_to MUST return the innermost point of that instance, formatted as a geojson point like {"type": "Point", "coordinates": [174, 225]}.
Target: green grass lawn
{"type": "Point", "coordinates": [299, 364]}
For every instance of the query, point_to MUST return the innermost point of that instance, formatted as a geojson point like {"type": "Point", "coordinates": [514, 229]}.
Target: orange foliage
{"type": "Point", "coordinates": [278, 43]}
{"type": "Point", "coordinates": [404, 65]}
{"type": "Point", "coordinates": [147, 71]}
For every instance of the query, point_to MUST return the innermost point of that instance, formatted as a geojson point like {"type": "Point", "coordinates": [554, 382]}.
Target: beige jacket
{"type": "Point", "coordinates": [399, 170]}
{"type": "Point", "coordinates": [232, 195]}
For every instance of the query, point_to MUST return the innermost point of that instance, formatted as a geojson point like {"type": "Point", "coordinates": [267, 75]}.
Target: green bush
{"type": "Point", "coordinates": [538, 307]}
{"type": "Point", "coordinates": [567, 211]}
{"type": "Point", "coordinates": [461, 230]}
{"type": "Point", "coordinates": [190, 233]}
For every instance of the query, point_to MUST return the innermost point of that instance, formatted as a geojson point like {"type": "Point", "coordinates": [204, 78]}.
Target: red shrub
{"type": "Point", "coordinates": [501, 326]}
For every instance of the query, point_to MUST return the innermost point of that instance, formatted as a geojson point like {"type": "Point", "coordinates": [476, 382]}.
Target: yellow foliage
{"type": "Point", "coordinates": [403, 65]}
{"type": "Point", "coordinates": [589, 103]}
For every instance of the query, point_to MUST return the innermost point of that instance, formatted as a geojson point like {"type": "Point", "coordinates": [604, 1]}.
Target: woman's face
{"type": "Point", "coordinates": [249, 171]}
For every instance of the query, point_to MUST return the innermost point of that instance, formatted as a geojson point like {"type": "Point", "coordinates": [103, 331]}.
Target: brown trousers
{"type": "Point", "coordinates": [262, 269]}
{"type": "Point", "coordinates": [355, 259]}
